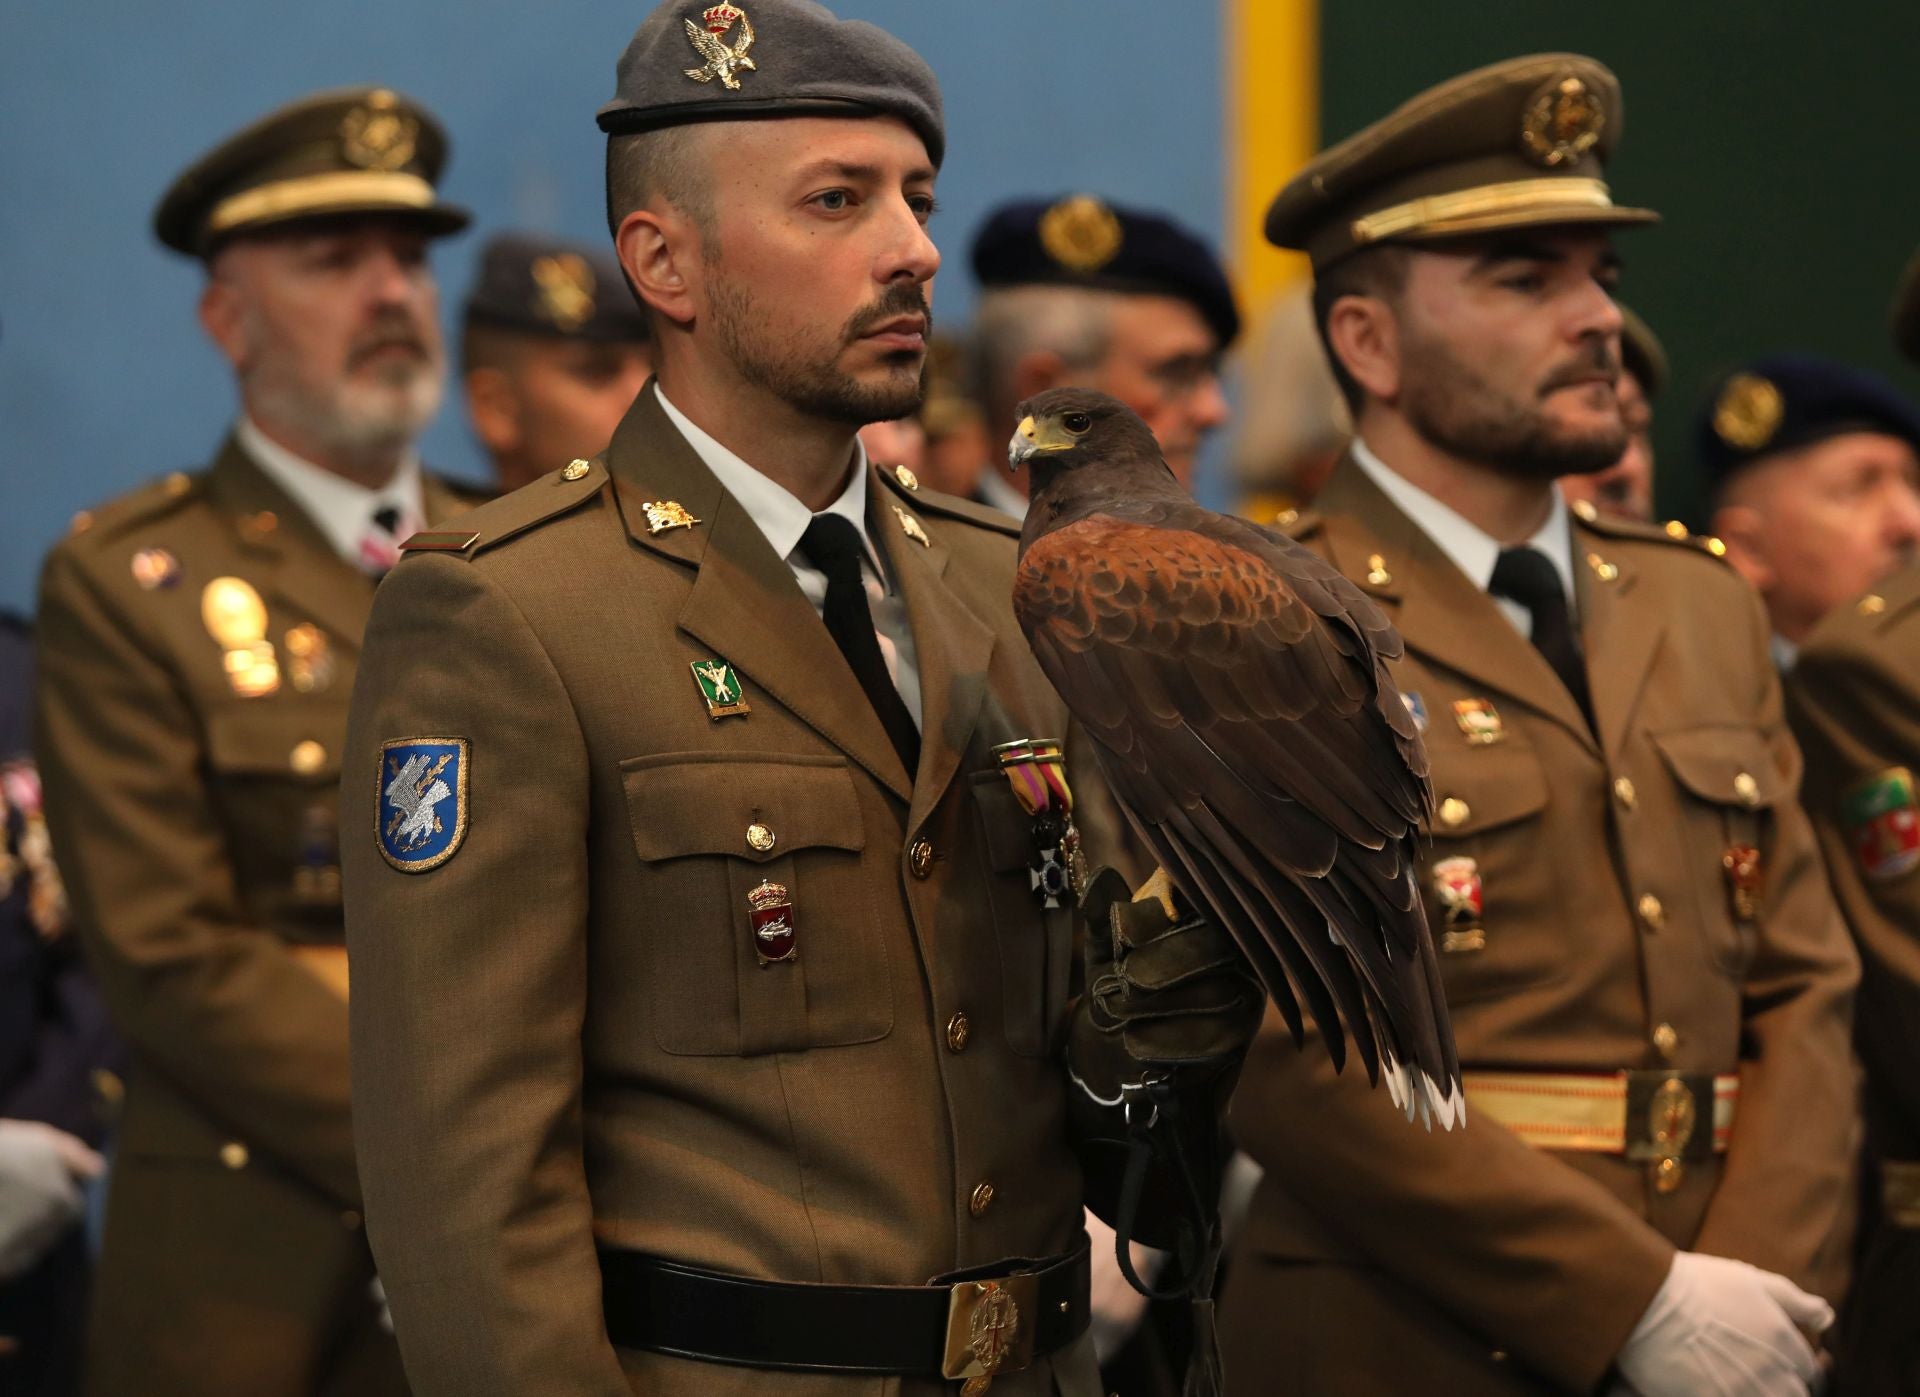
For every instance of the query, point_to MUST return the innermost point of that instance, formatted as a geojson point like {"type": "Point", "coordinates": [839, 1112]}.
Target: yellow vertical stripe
{"type": "Point", "coordinates": [1271, 81]}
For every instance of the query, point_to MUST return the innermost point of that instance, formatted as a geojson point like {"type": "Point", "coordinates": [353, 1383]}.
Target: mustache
{"type": "Point", "coordinates": [897, 300]}
{"type": "Point", "coordinates": [392, 332]}
{"type": "Point", "coordinates": [1597, 358]}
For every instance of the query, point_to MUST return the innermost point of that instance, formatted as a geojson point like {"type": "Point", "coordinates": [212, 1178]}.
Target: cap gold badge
{"type": "Point", "coordinates": [566, 285]}
{"type": "Point", "coordinates": [1080, 233]}
{"type": "Point", "coordinates": [1748, 412]}
{"type": "Point", "coordinates": [710, 43]}
{"type": "Point", "coordinates": [667, 514]}
{"type": "Point", "coordinates": [1562, 121]}
{"type": "Point", "coordinates": [377, 134]}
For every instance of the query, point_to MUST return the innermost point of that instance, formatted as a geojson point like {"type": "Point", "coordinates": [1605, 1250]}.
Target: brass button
{"type": "Point", "coordinates": [307, 757]}
{"type": "Point", "coordinates": [1651, 912]}
{"type": "Point", "coordinates": [1377, 574]}
{"type": "Point", "coordinates": [82, 521]}
{"type": "Point", "coordinates": [920, 858]}
{"type": "Point", "coordinates": [958, 1031]}
{"type": "Point", "coordinates": [1747, 789]}
{"type": "Point", "coordinates": [906, 477]}
{"type": "Point", "coordinates": [1499, 1355]}
{"type": "Point", "coordinates": [350, 1220]}
{"type": "Point", "coordinates": [1585, 512]}
{"type": "Point", "coordinates": [1675, 529]}
{"type": "Point", "coordinates": [574, 470]}
{"type": "Point", "coordinates": [982, 1199]}
{"type": "Point", "coordinates": [1719, 550]}
{"type": "Point", "coordinates": [1286, 519]}
{"type": "Point", "coordinates": [177, 483]}
{"type": "Point", "coordinates": [1668, 1175]}
{"type": "Point", "coordinates": [759, 837]}
{"type": "Point", "coordinates": [1871, 605]}
{"type": "Point", "coordinates": [1623, 791]}
{"type": "Point", "coordinates": [1666, 1040]}
{"type": "Point", "coordinates": [1602, 569]}
{"type": "Point", "coordinates": [1454, 811]}
{"type": "Point", "coordinates": [233, 1154]}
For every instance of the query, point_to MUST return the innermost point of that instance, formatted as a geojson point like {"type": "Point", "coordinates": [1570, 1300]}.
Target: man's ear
{"type": "Point", "coordinates": [1743, 529]}
{"type": "Point", "coordinates": [1035, 372]}
{"type": "Point", "coordinates": [223, 315]}
{"type": "Point", "coordinates": [1365, 333]}
{"type": "Point", "coordinates": [493, 406]}
{"type": "Point", "coordinates": [660, 252]}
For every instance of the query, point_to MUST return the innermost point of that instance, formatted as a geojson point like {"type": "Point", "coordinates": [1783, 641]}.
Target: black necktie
{"type": "Point", "coordinates": [388, 518]}
{"type": "Point", "coordinates": [1528, 576]}
{"type": "Point", "coordinates": [832, 544]}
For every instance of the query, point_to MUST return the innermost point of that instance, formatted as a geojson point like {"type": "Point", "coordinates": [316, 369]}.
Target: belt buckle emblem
{"type": "Point", "coordinates": [989, 1331]}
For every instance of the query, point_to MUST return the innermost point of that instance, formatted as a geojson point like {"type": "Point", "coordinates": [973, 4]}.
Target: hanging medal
{"type": "Point", "coordinates": [1037, 770]}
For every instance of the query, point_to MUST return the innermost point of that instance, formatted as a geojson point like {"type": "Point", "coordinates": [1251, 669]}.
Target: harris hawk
{"type": "Point", "coordinates": [1236, 689]}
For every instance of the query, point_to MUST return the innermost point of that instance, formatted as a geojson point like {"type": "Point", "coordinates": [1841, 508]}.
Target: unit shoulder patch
{"type": "Point", "coordinates": [420, 804]}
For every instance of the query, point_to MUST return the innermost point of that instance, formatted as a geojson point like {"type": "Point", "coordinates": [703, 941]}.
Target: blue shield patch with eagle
{"type": "Point", "coordinates": [422, 812]}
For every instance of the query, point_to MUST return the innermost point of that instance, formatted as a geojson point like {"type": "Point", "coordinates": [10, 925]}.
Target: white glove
{"type": "Point", "coordinates": [1721, 1328]}
{"type": "Point", "coordinates": [40, 1173]}
{"type": "Point", "coordinates": [1116, 1306]}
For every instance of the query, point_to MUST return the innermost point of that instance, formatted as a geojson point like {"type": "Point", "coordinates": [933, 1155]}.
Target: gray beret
{"type": "Point", "coordinates": [688, 62]}
{"type": "Point", "coordinates": [558, 290]}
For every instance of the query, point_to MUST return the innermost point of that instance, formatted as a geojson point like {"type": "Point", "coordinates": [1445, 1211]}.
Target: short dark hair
{"type": "Point", "coordinates": [665, 162]}
{"type": "Point", "coordinates": [1375, 271]}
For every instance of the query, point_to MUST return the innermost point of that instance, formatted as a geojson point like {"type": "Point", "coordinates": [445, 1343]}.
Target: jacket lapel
{"type": "Point", "coordinates": [289, 558]}
{"type": "Point", "coordinates": [953, 646]}
{"type": "Point", "coordinates": [1440, 614]}
{"type": "Point", "coordinates": [744, 606]}
{"type": "Point", "coordinates": [1622, 624]}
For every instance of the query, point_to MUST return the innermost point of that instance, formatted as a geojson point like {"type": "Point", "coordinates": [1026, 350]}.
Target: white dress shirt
{"type": "Point", "coordinates": [343, 509]}
{"type": "Point", "coordinates": [783, 518]}
{"type": "Point", "coordinates": [1474, 551]}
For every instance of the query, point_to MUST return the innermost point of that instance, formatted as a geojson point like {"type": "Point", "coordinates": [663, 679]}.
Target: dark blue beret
{"type": "Point", "coordinates": [1079, 240]}
{"type": "Point", "coordinates": [543, 286]}
{"type": "Point", "coordinates": [695, 61]}
{"type": "Point", "coordinates": [1787, 401]}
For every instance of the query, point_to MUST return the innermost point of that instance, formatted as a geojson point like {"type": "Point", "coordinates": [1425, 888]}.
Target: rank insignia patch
{"type": "Point", "coordinates": [421, 816]}
{"type": "Point", "coordinates": [720, 687]}
{"type": "Point", "coordinates": [1480, 721]}
{"type": "Point", "coordinates": [1882, 823]}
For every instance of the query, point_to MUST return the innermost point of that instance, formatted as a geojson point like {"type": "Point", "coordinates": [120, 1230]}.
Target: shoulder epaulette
{"type": "Point", "coordinates": [500, 519]}
{"type": "Point", "coordinates": [1672, 533]}
{"type": "Point", "coordinates": [907, 486]}
{"type": "Point", "coordinates": [138, 506]}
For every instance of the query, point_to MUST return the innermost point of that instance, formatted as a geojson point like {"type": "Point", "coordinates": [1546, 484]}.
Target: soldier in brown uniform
{"type": "Point", "coordinates": [1649, 980]}
{"type": "Point", "coordinates": [711, 970]}
{"type": "Point", "coordinates": [1853, 696]}
{"type": "Point", "coordinates": [197, 646]}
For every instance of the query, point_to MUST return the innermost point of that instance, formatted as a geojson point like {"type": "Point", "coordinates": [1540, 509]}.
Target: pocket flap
{"type": "Point", "coordinates": [1485, 789]}
{"type": "Point", "coordinates": [686, 803]}
{"type": "Point", "coordinates": [260, 741]}
{"type": "Point", "coordinates": [1728, 766]}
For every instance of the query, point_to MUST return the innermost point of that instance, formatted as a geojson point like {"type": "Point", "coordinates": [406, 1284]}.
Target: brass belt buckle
{"type": "Point", "coordinates": [990, 1327]}
{"type": "Point", "coordinates": [1669, 1116]}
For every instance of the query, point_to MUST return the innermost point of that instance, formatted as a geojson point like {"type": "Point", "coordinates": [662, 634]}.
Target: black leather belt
{"type": "Point", "coordinates": [971, 1324]}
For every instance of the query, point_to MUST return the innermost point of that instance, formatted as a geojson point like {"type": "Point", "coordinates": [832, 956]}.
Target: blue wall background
{"type": "Point", "coordinates": [105, 380]}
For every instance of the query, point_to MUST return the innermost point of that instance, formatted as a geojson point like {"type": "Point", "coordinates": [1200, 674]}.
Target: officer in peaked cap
{"type": "Point", "coordinates": [1078, 291]}
{"type": "Point", "coordinates": [1813, 469]}
{"type": "Point", "coordinates": [711, 978]}
{"type": "Point", "coordinates": [553, 349]}
{"type": "Point", "coordinates": [197, 642]}
{"type": "Point", "coordinates": [1649, 979]}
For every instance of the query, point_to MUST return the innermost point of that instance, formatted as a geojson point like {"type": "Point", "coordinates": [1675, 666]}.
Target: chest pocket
{"type": "Point", "coordinates": [1036, 943]}
{"type": "Point", "coordinates": [1729, 787]}
{"type": "Point", "coordinates": [710, 993]}
{"type": "Point", "coordinates": [273, 773]}
{"type": "Point", "coordinates": [1486, 849]}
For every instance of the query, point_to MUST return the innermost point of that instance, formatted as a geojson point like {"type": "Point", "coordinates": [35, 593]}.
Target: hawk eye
{"type": "Point", "coordinates": [1078, 423]}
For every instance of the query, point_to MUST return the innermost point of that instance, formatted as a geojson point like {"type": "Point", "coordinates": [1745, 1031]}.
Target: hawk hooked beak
{"type": "Point", "coordinates": [1031, 436]}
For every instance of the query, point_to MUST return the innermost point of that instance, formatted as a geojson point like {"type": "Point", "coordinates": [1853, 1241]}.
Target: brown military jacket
{"type": "Point", "coordinates": [563, 1034]}
{"type": "Point", "coordinates": [194, 810]}
{"type": "Point", "coordinates": [1854, 699]}
{"type": "Point", "coordinates": [1382, 1258]}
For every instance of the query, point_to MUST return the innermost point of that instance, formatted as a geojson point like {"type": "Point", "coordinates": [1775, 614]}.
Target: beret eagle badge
{"type": "Point", "coordinates": [710, 43]}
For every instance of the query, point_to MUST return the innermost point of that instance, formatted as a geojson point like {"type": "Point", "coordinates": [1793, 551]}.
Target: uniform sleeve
{"type": "Point", "coordinates": [1857, 717]}
{"type": "Point", "coordinates": [212, 1001]}
{"type": "Point", "coordinates": [469, 995]}
{"type": "Point", "coordinates": [1786, 1198]}
{"type": "Point", "coordinates": [1505, 1238]}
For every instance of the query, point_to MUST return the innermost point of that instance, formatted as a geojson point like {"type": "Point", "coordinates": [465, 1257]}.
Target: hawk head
{"type": "Point", "coordinates": [1072, 438]}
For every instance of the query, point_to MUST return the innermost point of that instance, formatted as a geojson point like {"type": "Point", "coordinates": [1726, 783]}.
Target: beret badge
{"type": "Point", "coordinates": [1562, 121]}
{"type": "Point", "coordinates": [1748, 412]}
{"type": "Point", "coordinates": [566, 284]}
{"type": "Point", "coordinates": [722, 61]}
{"type": "Point", "coordinates": [1080, 233]}
{"type": "Point", "coordinates": [377, 134]}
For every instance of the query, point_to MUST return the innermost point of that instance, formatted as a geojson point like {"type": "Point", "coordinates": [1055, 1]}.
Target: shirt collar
{"type": "Point", "coordinates": [780, 514]}
{"type": "Point", "coordinates": [341, 508]}
{"type": "Point", "coordinates": [1474, 551]}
